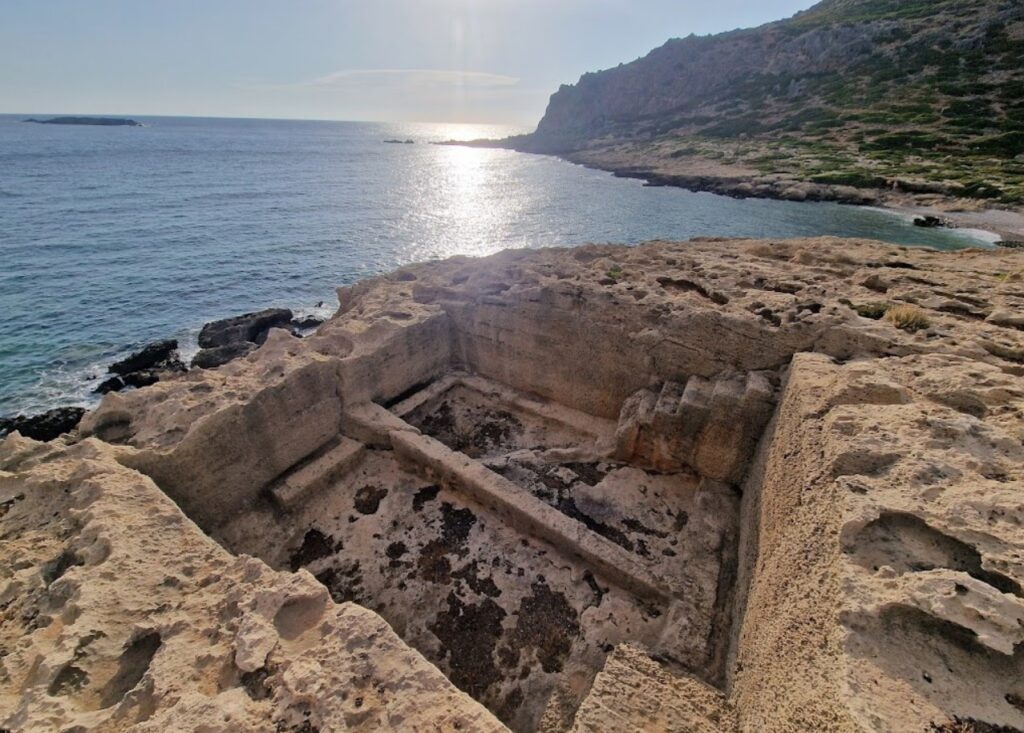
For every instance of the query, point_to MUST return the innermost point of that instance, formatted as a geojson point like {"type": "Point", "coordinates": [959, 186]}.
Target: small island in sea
{"type": "Point", "coordinates": [102, 121]}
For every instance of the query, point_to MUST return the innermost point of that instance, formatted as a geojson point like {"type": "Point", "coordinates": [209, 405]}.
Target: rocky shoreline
{"type": "Point", "coordinates": [918, 199]}
{"type": "Point", "coordinates": [220, 342]}
{"type": "Point", "coordinates": [929, 206]}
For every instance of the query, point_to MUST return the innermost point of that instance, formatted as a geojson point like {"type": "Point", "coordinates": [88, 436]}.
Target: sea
{"type": "Point", "coordinates": [113, 237]}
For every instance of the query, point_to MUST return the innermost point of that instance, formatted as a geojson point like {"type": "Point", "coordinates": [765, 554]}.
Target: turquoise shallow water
{"type": "Point", "coordinates": [111, 237]}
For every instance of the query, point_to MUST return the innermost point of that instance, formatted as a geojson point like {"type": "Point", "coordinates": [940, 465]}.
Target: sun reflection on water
{"type": "Point", "coordinates": [466, 196]}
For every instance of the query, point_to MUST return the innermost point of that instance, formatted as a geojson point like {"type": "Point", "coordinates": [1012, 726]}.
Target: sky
{"type": "Point", "coordinates": [475, 61]}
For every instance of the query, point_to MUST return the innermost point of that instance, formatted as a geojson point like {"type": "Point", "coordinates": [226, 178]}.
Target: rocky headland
{"type": "Point", "coordinates": [902, 103]}
{"type": "Point", "coordinates": [720, 485]}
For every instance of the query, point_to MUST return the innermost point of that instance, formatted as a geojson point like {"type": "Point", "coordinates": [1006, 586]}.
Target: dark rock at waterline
{"type": "Point", "coordinates": [228, 339]}
{"type": "Point", "coordinates": [143, 378]}
{"type": "Point", "coordinates": [930, 222]}
{"type": "Point", "coordinates": [786, 190]}
{"type": "Point", "coordinates": [249, 327]}
{"type": "Point", "coordinates": [46, 426]}
{"type": "Point", "coordinates": [157, 355]}
{"type": "Point", "coordinates": [307, 323]}
{"type": "Point", "coordinates": [144, 367]}
{"type": "Point", "coordinates": [138, 379]}
{"type": "Point", "coordinates": [1010, 244]}
{"type": "Point", "coordinates": [114, 384]}
{"type": "Point", "coordinates": [220, 355]}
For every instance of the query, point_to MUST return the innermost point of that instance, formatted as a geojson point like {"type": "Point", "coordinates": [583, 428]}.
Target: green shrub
{"type": "Point", "coordinates": [910, 140]}
{"type": "Point", "coordinates": [850, 178]}
{"type": "Point", "coordinates": [982, 190]}
{"type": "Point", "coordinates": [1008, 145]}
{"type": "Point", "coordinates": [748, 125]}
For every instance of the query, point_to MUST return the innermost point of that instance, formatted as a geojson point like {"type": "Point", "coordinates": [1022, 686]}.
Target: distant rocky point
{"type": "Point", "coordinates": [102, 121]}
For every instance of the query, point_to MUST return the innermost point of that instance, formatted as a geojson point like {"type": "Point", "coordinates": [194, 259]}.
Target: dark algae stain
{"type": "Point", "coordinates": [479, 430]}
{"type": "Point", "coordinates": [315, 546]}
{"type": "Point", "coordinates": [368, 499]}
{"type": "Point", "coordinates": [469, 634]}
{"type": "Point", "coordinates": [425, 495]}
{"type": "Point", "coordinates": [470, 574]}
{"type": "Point", "coordinates": [547, 625]}
{"type": "Point", "coordinates": [456, 525]}
{"type": "Point", "coordinates": [434, 563]}
{"type": "Point", "coordinates": [344, 584]}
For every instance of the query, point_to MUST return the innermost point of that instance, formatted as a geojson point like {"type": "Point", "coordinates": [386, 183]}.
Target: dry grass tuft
{"type": "Point", "coordinates": [907, 317]}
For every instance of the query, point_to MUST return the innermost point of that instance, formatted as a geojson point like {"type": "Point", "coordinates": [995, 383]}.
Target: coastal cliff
{"type": "Point", "coordinates": [727, 486]}
{"type": "Point", "coordinates": [860, 101]}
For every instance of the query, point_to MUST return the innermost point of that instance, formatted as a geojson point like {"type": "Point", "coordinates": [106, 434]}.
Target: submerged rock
{"type": "Point", "coordinates": [45, 426]}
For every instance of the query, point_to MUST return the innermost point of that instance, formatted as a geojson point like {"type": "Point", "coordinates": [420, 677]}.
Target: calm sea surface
{"type": "Point", "coordinates": [113, 237]}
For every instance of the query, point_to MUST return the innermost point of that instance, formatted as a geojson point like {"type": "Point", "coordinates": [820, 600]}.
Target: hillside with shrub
{"type": "Point", "coordinates": [922, 96]}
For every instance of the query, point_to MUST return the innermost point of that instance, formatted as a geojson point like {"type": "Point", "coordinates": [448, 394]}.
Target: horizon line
{"type": "Point", "coordinates": [121, 115]}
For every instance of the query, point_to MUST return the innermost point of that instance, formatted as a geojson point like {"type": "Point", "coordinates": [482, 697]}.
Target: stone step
{"type": "Point", "coordinates": [694, 408]}
{"type": "Point", "coordinates": [759, 391]}
{"type": "Point", "coordinates": [727, 395]}
{"type": "Point", "coordinates": [666, 409]}
{"type": "Point", "coordinates": [645, 408]}
{"type": "Point", "coordinates": [697, 395]}
{"type": "Point", "coordinates": [317, 474]}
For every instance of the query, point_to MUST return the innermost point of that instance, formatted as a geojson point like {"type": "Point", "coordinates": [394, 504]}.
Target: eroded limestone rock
{"type": "Point", "coordinates": [681, 486]}
{"type": "Point", "coordinates": [119, 613]}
